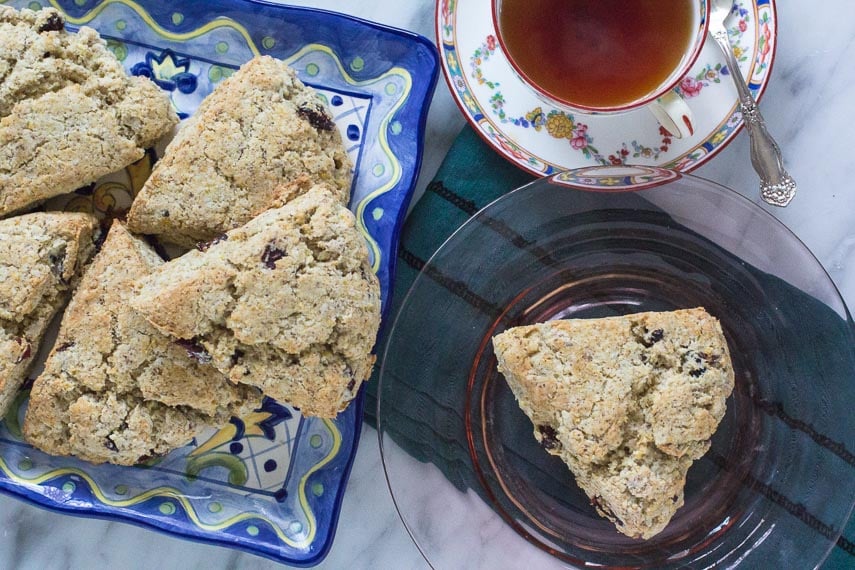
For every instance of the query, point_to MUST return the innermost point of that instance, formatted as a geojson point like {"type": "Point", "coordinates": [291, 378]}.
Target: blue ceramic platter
{"type": "Point", "coordinates": [271, 483]}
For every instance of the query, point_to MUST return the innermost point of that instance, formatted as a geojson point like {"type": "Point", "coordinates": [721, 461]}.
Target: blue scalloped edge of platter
{"type": "Point", "coordinates": [386, 91]}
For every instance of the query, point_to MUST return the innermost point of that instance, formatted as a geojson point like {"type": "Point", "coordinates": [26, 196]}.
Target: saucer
{"type": "Point", "coordinates": [544, 139]}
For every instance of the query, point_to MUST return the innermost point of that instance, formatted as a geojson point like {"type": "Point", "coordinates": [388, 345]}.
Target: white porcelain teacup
{"type": "Point", "coordinates": [663, 99]}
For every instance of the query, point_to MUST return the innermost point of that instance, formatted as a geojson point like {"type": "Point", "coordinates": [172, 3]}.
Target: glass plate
{"type": "Point", "coordinates": [469, 479]}
{"type": "Point", "coordinates": [271, 484]}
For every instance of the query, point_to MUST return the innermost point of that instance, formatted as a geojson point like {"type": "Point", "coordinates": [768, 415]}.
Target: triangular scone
{"type": "Point", "coordinates": [287, 303]}
{"type": "Point", "coordinates": [41, 258]}
{"type": "Point", "coordinates": [259, 129]}
{"type": "Point", "coordinates": [627, 402]}
{"type": "Point", "coordinates": [69, 113]}
{"type": "Point", "coordinates": [114, 389]}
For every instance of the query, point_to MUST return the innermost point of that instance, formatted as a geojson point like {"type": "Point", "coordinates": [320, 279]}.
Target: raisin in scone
{"type": "Point", "coordinates": [69, 113]}
{"type": "Point", "coordinates": [627, 402]}
{"type": "Point", "coordinates": [261, 128]}
{"type": "Point", "coordinates": [287, 303]}
{"type": "Point", "coordinates": [114, 389]}
{"type": "Point", "coordinates": [41, 258]}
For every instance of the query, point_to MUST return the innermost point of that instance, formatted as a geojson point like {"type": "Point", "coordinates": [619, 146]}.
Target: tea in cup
{"type": "Point", "coordinates": [606, 56]}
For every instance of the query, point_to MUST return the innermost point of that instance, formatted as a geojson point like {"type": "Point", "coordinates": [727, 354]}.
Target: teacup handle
{"type": "Point", "coordinates": [674, 114]}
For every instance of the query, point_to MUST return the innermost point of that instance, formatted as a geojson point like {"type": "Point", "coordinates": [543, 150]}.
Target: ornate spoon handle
{"type": "Point", "coordinates": [777, 187]}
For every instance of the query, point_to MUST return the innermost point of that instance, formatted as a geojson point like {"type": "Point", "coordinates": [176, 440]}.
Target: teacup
{"type": "Point", "coordinates": [606, 56]}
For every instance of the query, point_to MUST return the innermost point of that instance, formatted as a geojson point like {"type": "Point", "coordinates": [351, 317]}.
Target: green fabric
{"type": "Point", "coordinates": [472, 176]}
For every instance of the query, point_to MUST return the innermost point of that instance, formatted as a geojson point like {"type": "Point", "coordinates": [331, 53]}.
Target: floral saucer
{"type": "Point", "coordinates": [544, 139]}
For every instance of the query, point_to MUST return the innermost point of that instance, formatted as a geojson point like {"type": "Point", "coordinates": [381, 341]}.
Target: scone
{"type": "Point", "coordinates": [627, 402]}
{"type": "Point", "coordinates": [261, 128]}
{"type": "Point", "coordinates": [287, 303]}
{"type": "Point", "coordinates": [41, 258]}
{"type": "Point", "coordinates": [114, 389]}
{"type": "Point", "coordinates": [69, 113]}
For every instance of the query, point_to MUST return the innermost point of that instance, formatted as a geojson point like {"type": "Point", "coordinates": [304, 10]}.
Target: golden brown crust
{"type": "Point", "coordinates": [287, 303]}
{"type": "Point", "coordinates": [627, 402]}
{"type": "Point", "coordinates": [41, 258]}
{"type": "Point", "coordinates": [261, 128]}
{"type": "Point", "coordinates": [69, 113]}
{"type": "Point", "coordinates": [114, 389]}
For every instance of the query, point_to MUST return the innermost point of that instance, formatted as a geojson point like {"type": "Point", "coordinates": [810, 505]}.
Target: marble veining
{"type": "Point", "coordinates": [808, 107]}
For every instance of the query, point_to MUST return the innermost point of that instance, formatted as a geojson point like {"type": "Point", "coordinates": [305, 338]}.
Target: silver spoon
{"type": "Point", "coordinates": [776, 186]}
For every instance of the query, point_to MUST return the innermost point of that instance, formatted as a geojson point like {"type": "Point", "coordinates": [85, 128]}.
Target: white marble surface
{"type": "Point", "coordinates": [809, 107]}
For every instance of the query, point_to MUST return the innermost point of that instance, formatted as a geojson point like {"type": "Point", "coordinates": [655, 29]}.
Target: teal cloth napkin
{"type": "Point", "coordinates": [472, 176]}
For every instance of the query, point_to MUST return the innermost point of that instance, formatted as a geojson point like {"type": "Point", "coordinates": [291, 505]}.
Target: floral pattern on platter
{"type": "Point", "coordinates": [169, 72]}
{"type": "Point", "coordinates": [517, 122]}
{"type": "Point", "coordinates": [244, 444]}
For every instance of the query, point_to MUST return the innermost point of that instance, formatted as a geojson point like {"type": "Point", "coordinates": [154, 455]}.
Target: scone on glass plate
{"type": "Point", "coordinates": [628, 403]}
{"type": "Point", "coordinates": [116, 390]}
{"type": "Point", "coordinates": [69, 114]}
{"type": "Point", "coordinates": [287, 303]}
